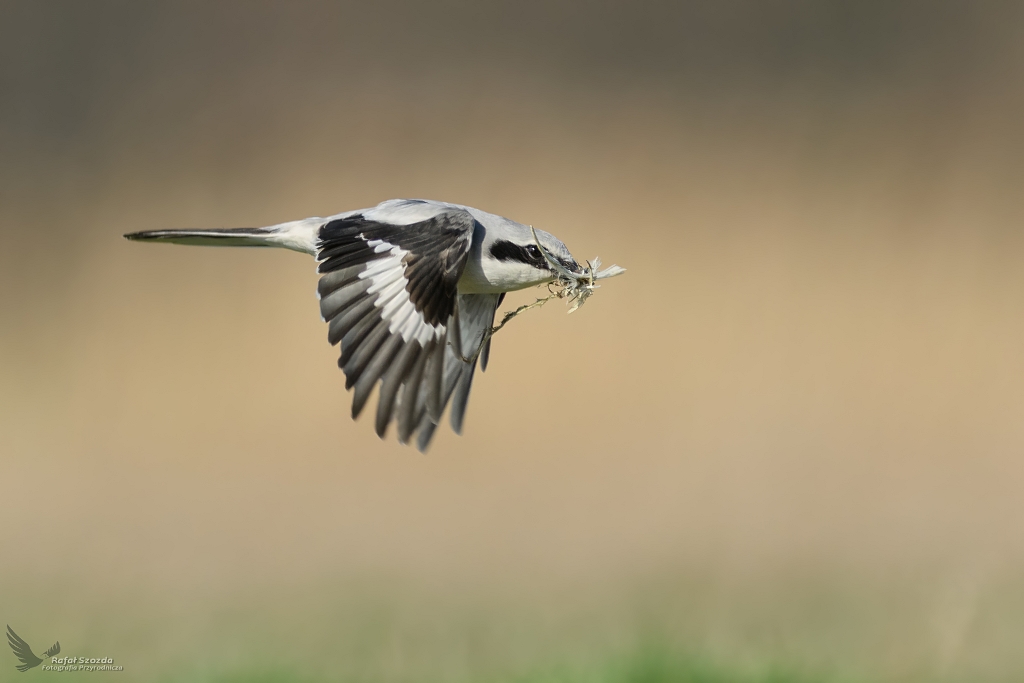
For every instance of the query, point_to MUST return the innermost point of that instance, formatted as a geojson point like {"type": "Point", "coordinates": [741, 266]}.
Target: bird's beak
{"type": "Point", "coordinates": [555, 265]}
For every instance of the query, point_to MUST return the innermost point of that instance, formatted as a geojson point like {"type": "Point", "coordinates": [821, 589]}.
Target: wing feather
{"type": "Point", "coordinates": [339, 299]}
{"type": "Point", "coordinates": [433, 385]}
{"type": "Point", "coordinates": [336, 279]}
{"type": "Point", "coordinates": [373, 372]}
{"type": "Point", "coordinates": [407, 416]}
{"type": "Point", "coordinates": [461, 398]}
{"type": "Point", "coordinates": [390, 383]}
{"type": "Point", "coordinates": [341, 324]}
{"type": "Point", "coordinates": [363, 353]}
{"type": "Point", "coordinates": [426, 433]}
{"type": "Point", "coordinates": [355, 337]}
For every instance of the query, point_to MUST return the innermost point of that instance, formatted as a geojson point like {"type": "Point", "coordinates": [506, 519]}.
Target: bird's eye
{"type": "Point", "coordinates": [532, 250]}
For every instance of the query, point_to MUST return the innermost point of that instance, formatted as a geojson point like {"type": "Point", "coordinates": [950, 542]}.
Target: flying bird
{"type": "Point", "coordinates": [409, 288]}
{"type": "Point", "coordinates": [24, 653]}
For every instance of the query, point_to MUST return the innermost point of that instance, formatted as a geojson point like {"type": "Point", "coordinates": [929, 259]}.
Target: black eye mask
{"type": "Point", "coordinates": [503, 250]}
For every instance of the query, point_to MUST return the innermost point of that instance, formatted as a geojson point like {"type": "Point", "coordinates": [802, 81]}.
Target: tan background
{"type": "Point", "coordinates": [791, 433]}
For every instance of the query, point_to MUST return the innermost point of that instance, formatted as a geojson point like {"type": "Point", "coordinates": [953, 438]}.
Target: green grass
{"type": "Point", "coordinates": [684, 629]}
{"type": "Point", "coordinates": [659, 666]}
{"type": "Point", "coordinates": [645, 666]}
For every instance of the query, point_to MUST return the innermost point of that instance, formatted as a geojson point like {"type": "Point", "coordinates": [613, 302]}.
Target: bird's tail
{"type": "Point", "coordinates": [233, 237]}
{"type": "Point", "coordinates": [297, 235]}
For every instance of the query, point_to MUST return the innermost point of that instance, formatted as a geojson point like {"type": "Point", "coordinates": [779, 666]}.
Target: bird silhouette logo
{"type": "Point", "coordinates": [23, 652]}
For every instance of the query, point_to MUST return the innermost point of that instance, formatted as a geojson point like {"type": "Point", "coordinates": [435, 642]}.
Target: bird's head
{"type": "Point", "coordinates": [520, 258]}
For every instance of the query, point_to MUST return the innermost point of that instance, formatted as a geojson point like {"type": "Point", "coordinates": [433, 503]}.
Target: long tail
{"type": "Point", "coordinates": [297, 235]}
{"type": "Point", "coordinates": [233, 237]}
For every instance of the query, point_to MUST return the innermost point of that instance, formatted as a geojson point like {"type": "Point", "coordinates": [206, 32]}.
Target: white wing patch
{"type": "Point", "coordinates": [387, 274]}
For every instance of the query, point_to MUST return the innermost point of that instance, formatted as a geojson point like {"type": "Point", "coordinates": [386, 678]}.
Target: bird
{"type": "Point", "coordinates": [409, 289]}
{"type": "Point", "coordinates": [24, 653]}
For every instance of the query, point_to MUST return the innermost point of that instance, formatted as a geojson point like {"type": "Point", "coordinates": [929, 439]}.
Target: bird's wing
{"type": "Point", "coordinates": [485, 352]}
{"type": "Point", "coordinates": [53, 651]}
{"type": "Point", "coordinates": [22, 651]}
{"type": "Point", "coordinates": [473, 318]}
{"type": "Point", "coordinates": [388, 291]}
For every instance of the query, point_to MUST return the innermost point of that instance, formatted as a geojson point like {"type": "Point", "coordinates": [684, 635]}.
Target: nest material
{"type": "Point", "coordinates": [576, 288]}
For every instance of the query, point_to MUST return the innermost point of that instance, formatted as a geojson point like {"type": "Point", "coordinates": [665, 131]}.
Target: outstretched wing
{"type": "Point", "coordinates": [22, 651]}
{"type": "Point", "coordinates": [388, 291]}
{"type": "Point", "coordinates": [53, 651]}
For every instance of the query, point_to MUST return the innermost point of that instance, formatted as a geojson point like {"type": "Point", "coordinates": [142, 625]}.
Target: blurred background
{"type": "Point", "coordinates": [785, 446]}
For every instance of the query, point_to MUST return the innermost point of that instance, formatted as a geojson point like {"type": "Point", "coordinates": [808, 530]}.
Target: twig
{"type": "Point", "coordinates": [511, 314]}
{"type": "Point", "coordinates": [508, 316]}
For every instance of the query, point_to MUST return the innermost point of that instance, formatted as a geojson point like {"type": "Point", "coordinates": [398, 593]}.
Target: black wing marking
{"type": "Point", "coordinates": [389, 293]}
{"type": "Point", "coordinates": [22, 651]}
{"type": "Point", "coordinates": [435, 254]}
